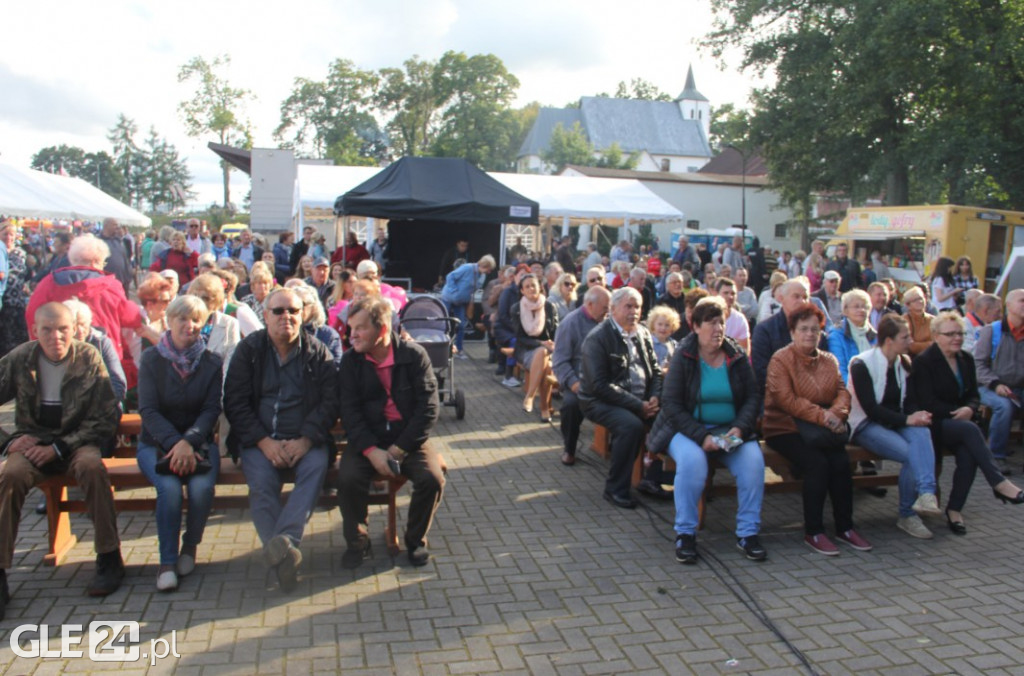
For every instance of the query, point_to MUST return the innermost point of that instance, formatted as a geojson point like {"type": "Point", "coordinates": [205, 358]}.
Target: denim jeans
{"type": "Point", "coordinates": [746, 464]}
{"type": "Point", "coordinates": [911, 446]}
{"type": "Point", "coordinates": [1003, 411]}
{"type": "Point", "coordinates": [458, 310]}
{"type": "Point", "coordinates": [169, 501]}
{"type": "Point", "coordinates": [268, 514]}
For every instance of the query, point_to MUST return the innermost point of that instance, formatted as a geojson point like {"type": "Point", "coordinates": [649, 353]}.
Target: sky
{"type": "Point", "coordinates": [68, 68]}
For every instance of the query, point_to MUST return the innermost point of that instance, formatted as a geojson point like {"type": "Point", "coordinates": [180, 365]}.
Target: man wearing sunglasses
{"type": "Point", "coordinates": [280, 396]}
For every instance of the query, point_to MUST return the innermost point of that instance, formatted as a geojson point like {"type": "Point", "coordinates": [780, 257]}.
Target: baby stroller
{"type": "Point", "coordinates": [426, 320]}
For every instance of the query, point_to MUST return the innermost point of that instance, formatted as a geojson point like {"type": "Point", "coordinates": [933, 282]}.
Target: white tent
{"type": "Point", "coordinates": [1013, 272]}
{"type": "Point", "coordinates": [318, 185]}
{"type": "Point", "coordinates": [28, 193]}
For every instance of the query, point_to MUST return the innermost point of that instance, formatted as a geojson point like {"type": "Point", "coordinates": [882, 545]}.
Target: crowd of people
{"type": "Point", "coordinates": [233, 348]}
{"type": "Point", "coordinates": [698, 356]}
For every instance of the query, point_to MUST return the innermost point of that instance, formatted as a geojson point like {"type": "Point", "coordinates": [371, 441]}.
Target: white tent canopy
{"type": "Point", "coordinates": [28, 193]}
{"type": "Point", "coordinates": [318, 185]}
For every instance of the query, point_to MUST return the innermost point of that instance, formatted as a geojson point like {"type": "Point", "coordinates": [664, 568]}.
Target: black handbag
{"type": "Point", "coordinates": [163, 466]}
{"type": "Point", "coordinates": [819, 436]}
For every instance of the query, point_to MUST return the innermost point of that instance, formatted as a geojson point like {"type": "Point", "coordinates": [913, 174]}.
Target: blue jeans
{"type": "Point", "coordinates": [458, 310]}
{"type": "Point", "coordinates": [268, 514]}
{"type": "Point", "coordinates": [169, 501]}
{"type": "Point", "coordinates": [1003, 411]}
{"type": "Point", "coordinates": [746, 464]}
{"type": "Point", "coordinates": [911, 446]}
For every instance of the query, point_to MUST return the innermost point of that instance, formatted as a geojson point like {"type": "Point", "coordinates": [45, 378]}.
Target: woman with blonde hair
{"type": "Point", "coordinates": [563, 297]}
{"type": "Point", "coordinates": [919, 321]}
{"type": "Point", "coordinates": [179, 258]}
{"type": "Point", "coordinates": [261, 283]}
{"type": "Point", "coordinates": [663, 322]}
{"type": "Point", "coordinates": [768, 305]}
{"type": "Point", "coordinates": [220, 330]}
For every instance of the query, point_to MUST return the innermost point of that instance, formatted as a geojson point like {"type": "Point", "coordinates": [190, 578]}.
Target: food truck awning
{"type": "Point", "coordinates": [882, 236]}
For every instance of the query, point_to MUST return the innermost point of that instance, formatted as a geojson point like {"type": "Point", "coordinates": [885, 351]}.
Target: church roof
{"type": "Point", "coordinates": [657, 127]}
{"type": "Point", "coordinates": [690, 92]}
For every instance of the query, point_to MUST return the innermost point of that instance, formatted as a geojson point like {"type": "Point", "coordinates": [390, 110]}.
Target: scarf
{"type": "Point", "coordinates": [531, 314]}
{"type": "Point", "coordinates": [184, 362]}
{"type": "Point", "coordinates": [860, 337]}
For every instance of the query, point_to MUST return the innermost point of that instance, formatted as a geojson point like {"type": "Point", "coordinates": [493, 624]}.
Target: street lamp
{"type": "Point", "coordinates": [743, 189]}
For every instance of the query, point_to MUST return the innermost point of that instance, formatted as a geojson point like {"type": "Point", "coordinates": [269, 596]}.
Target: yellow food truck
{"type": "Point", "coordinates": [912, 238]}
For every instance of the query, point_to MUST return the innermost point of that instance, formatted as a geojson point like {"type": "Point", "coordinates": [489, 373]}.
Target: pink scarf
{"type": "Point", "coordinates": [531, 314]}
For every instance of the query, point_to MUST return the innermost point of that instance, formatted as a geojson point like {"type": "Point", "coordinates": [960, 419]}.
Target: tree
{"type": "Point", "coordinates": [568, 146]}
{"type": "Point", "coordinates": [166, 179]}
{"type": "Point", "coordinates": [916, 98]}
{"type": "Point", "coordinates": [639, 88]}
{"type": "Point", "coordinates": [216, 108]}
{"type": "Point", "coordinates": [100, 170]}
{"type": "Point", "coordinates": [334, 117]}
{"type": "Point", "coordinates": [52, 158]}
{"type": "Point", "coordinates": [729, 127]}
{"type": "Point", "coordinates": [408, 96]}
{"type": "Point", "coordinates": [128, 158]}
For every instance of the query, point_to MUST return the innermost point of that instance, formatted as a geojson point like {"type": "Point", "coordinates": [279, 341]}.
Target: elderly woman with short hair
{"type": "Point", "coordinates": [314, 320]}
{"type": "Point", "coordinates": [220, 331]}
{"type": "Point", "coordinates": [709, 408]}
{"type": "Point", "coordinates": [260, 284]}
{"type": "Point", "coordinates": [946, 385]}
{"type": "Point", "coordinates": [854, 334]}
{"type": "Point", "coordinates": [805, 412]}
{"type": "Point", "coordinates": [179, 401]}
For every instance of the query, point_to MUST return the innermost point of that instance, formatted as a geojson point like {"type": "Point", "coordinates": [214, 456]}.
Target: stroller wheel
{"type": "Point", "coordinates": [460, 405]}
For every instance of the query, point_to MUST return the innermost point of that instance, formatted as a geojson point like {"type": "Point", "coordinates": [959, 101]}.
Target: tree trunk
{"type": "Point", "coordinates": [227, 182]}
{"type": "Point", "coordinates": [897, 191]}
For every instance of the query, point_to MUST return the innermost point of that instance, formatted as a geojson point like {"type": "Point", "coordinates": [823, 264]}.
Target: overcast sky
{"type": "Point", "coordinates": [68, 68]}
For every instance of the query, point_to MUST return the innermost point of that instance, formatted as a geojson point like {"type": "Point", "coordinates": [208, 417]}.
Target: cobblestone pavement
{"type": "Point", "coordinates": [535, 574]}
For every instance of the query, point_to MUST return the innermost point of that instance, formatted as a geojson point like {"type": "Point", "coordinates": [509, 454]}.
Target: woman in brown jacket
{"type": "Point", "coordinates": [919, 321]}
{"type": "Point", "coordinates": [805, 412]}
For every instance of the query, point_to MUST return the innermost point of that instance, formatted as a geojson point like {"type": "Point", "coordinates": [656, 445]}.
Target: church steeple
{"type": "Point", "coordinates": [693, 105]}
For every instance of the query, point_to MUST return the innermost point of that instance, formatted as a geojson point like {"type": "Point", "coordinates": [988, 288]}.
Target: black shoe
{"type": "Point", "coordinates": [1015, 500]}
{"type": "Point", "coordinates": [41, 507]}
{"type": "Point", "coordinates": [686, 549]}
{"type": "Point", "coordinates": [752, 548]}
{"type": "Point", "coordinates": [109, 573]}
{"type": "Point", "coordinates": [648, 487]}
{"type": "Point", "coordinates": [957, 527]}
{"type": "Point", "coordinates": [356, 553]}
{"type": "Point", "coordinates": [877, 491]}
{"type": "Point", "coordinates": [619, 501]}
{"type": "Point", "coordinates": [419, 556]}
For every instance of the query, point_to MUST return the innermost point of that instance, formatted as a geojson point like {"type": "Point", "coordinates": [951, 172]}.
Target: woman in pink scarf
{"type": "Point", "coordinates": [536, 321]}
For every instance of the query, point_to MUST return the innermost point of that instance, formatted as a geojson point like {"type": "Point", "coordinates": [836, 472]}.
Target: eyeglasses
{"type": "Point", "coordinates": [808, 329]}
{"type": "Point", "coordinates": [155, 301]}
{"type": "Point", "coordinates": [593, 280]}
{"type": "Point", "coordinates": [953, 334]}
{"type": "Point", "coordinates": [568, 285]}
{"type": "Point", "coordinates": [281, 310]}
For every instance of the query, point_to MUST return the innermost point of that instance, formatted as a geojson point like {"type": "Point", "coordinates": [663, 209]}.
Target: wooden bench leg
{"type": "Point", "coordinates": [391, 530]}
{"type": "Point", "coordinates": [601, 441]}
{"type": "Point", "coordinates": [58, 522]}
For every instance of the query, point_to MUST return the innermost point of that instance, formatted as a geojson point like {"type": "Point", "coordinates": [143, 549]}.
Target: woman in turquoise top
{"type": "Point", "coordinates": [710, 394]}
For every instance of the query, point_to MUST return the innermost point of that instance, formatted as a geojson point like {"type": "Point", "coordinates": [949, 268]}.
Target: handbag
{"type": "Point", "coordinates": [819, 436]}
{"type": "Point", "coordinates": [163, 466]}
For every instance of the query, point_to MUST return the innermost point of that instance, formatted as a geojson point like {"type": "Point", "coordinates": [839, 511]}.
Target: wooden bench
{"type": "Point", "coordinates": [782, 482]}
{"type": "Point", "coordinates": [125, 475]}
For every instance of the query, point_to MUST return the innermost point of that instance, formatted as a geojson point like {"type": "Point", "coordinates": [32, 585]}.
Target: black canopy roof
{"type": "Point", "coordinates": [436, 188]}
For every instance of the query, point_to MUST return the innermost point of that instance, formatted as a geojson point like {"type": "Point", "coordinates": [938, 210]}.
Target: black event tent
{"type": "Point", "coordinates": [431, 202]}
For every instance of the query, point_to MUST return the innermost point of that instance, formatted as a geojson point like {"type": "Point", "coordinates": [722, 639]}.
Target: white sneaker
{"type": "Point", "coordinates": [926, 505]}
{"type": "Point", "coordinates": [914, 527]}
{"type": "Point", "coordinates": [461, 355]}
{"type": "Point", "coordinates": [185, 565]}
{"type": "Point", "coordinates": [511, 382]}
{"type": "Point", "coordinates": [167, 581]}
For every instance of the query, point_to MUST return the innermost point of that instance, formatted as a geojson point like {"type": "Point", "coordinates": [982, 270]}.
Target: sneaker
{"type": "Point", "coordinates": [356, 553]}
{"type": "Point", "coordinates": [284, 558]}
{"type": "Point", "coordinates": [914, 527]}
{"type": "Point", "coordinates": [926, 505]}
{"type": "Point", "coordinates": [185, 565]}
{"type": "Point", "coordinates": [821, 544]}
{"type": "Point", "coordinates": [109, 573]}
{"type": "Point", "coordinates": [167, 581]}
{"type": "Point", "coordinates": [511, 382]}
{"type": "Point", "coordinates": [686, 548]}
{"type": "Point", "coordinates": [461, 355]}
{"type": "Point", "coordinates": [853, 539]}
{"type": "Point", "coordinates": [752, 548]}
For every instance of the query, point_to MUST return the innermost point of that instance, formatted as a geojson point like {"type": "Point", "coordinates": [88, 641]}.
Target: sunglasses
{"type": "Point", "coordinates": [568, 284]}
{"type": "Point", "coordinates": [594, 280]}
{"type": "Point", "coordinates": [281, 310]}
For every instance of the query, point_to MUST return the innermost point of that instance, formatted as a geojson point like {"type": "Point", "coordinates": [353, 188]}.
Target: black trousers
{"type": "Point", "coordinates": [423, 469]}
{"type": "Point", "coordinates": [826, 473]}
{"type": "Point", "coordinates": [572, 419]}
{"type": "Point", "coordinates": [627, 431]}
{"type": "Point", "coordinates": [967, 442]}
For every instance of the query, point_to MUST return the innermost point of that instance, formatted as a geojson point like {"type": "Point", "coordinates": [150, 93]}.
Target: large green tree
{"type": "Point", "coordinates": [52, 158]}
{"type": "Point", "coordinates": [334, 117]}
{"type": "Point", "coordinates": [165, 179]}
{"type": "Point", "coordinates": [408, 99]}
{"type": "Point", "coordinates": [216, 108]}
{"type": "Point", "coordinates": [571, 146]}
{"type": "Point", "coordinates": [915, 99]}
{"type": "Point", "coordinates": [129, 158]}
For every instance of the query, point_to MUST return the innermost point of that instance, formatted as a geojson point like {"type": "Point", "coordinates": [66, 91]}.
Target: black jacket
{"type": "Point", "coordinates": [682, 393]}
{"type": "Point", "coordinates": [413, 389]}
{"type": "Point", "coordinates": [935, 387]}
{"type": "Point", "coordinates": [173, 409]}
{"type": "Point", "coordinates": [524, 341]}
{"type": "Point", "coordinates": [604, 368]}
{"type": "Point", "coordinates": [242, 392]}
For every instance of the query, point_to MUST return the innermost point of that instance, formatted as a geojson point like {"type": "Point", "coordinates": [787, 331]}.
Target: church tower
{"type": "Point", "coordinates": [694, 105]}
